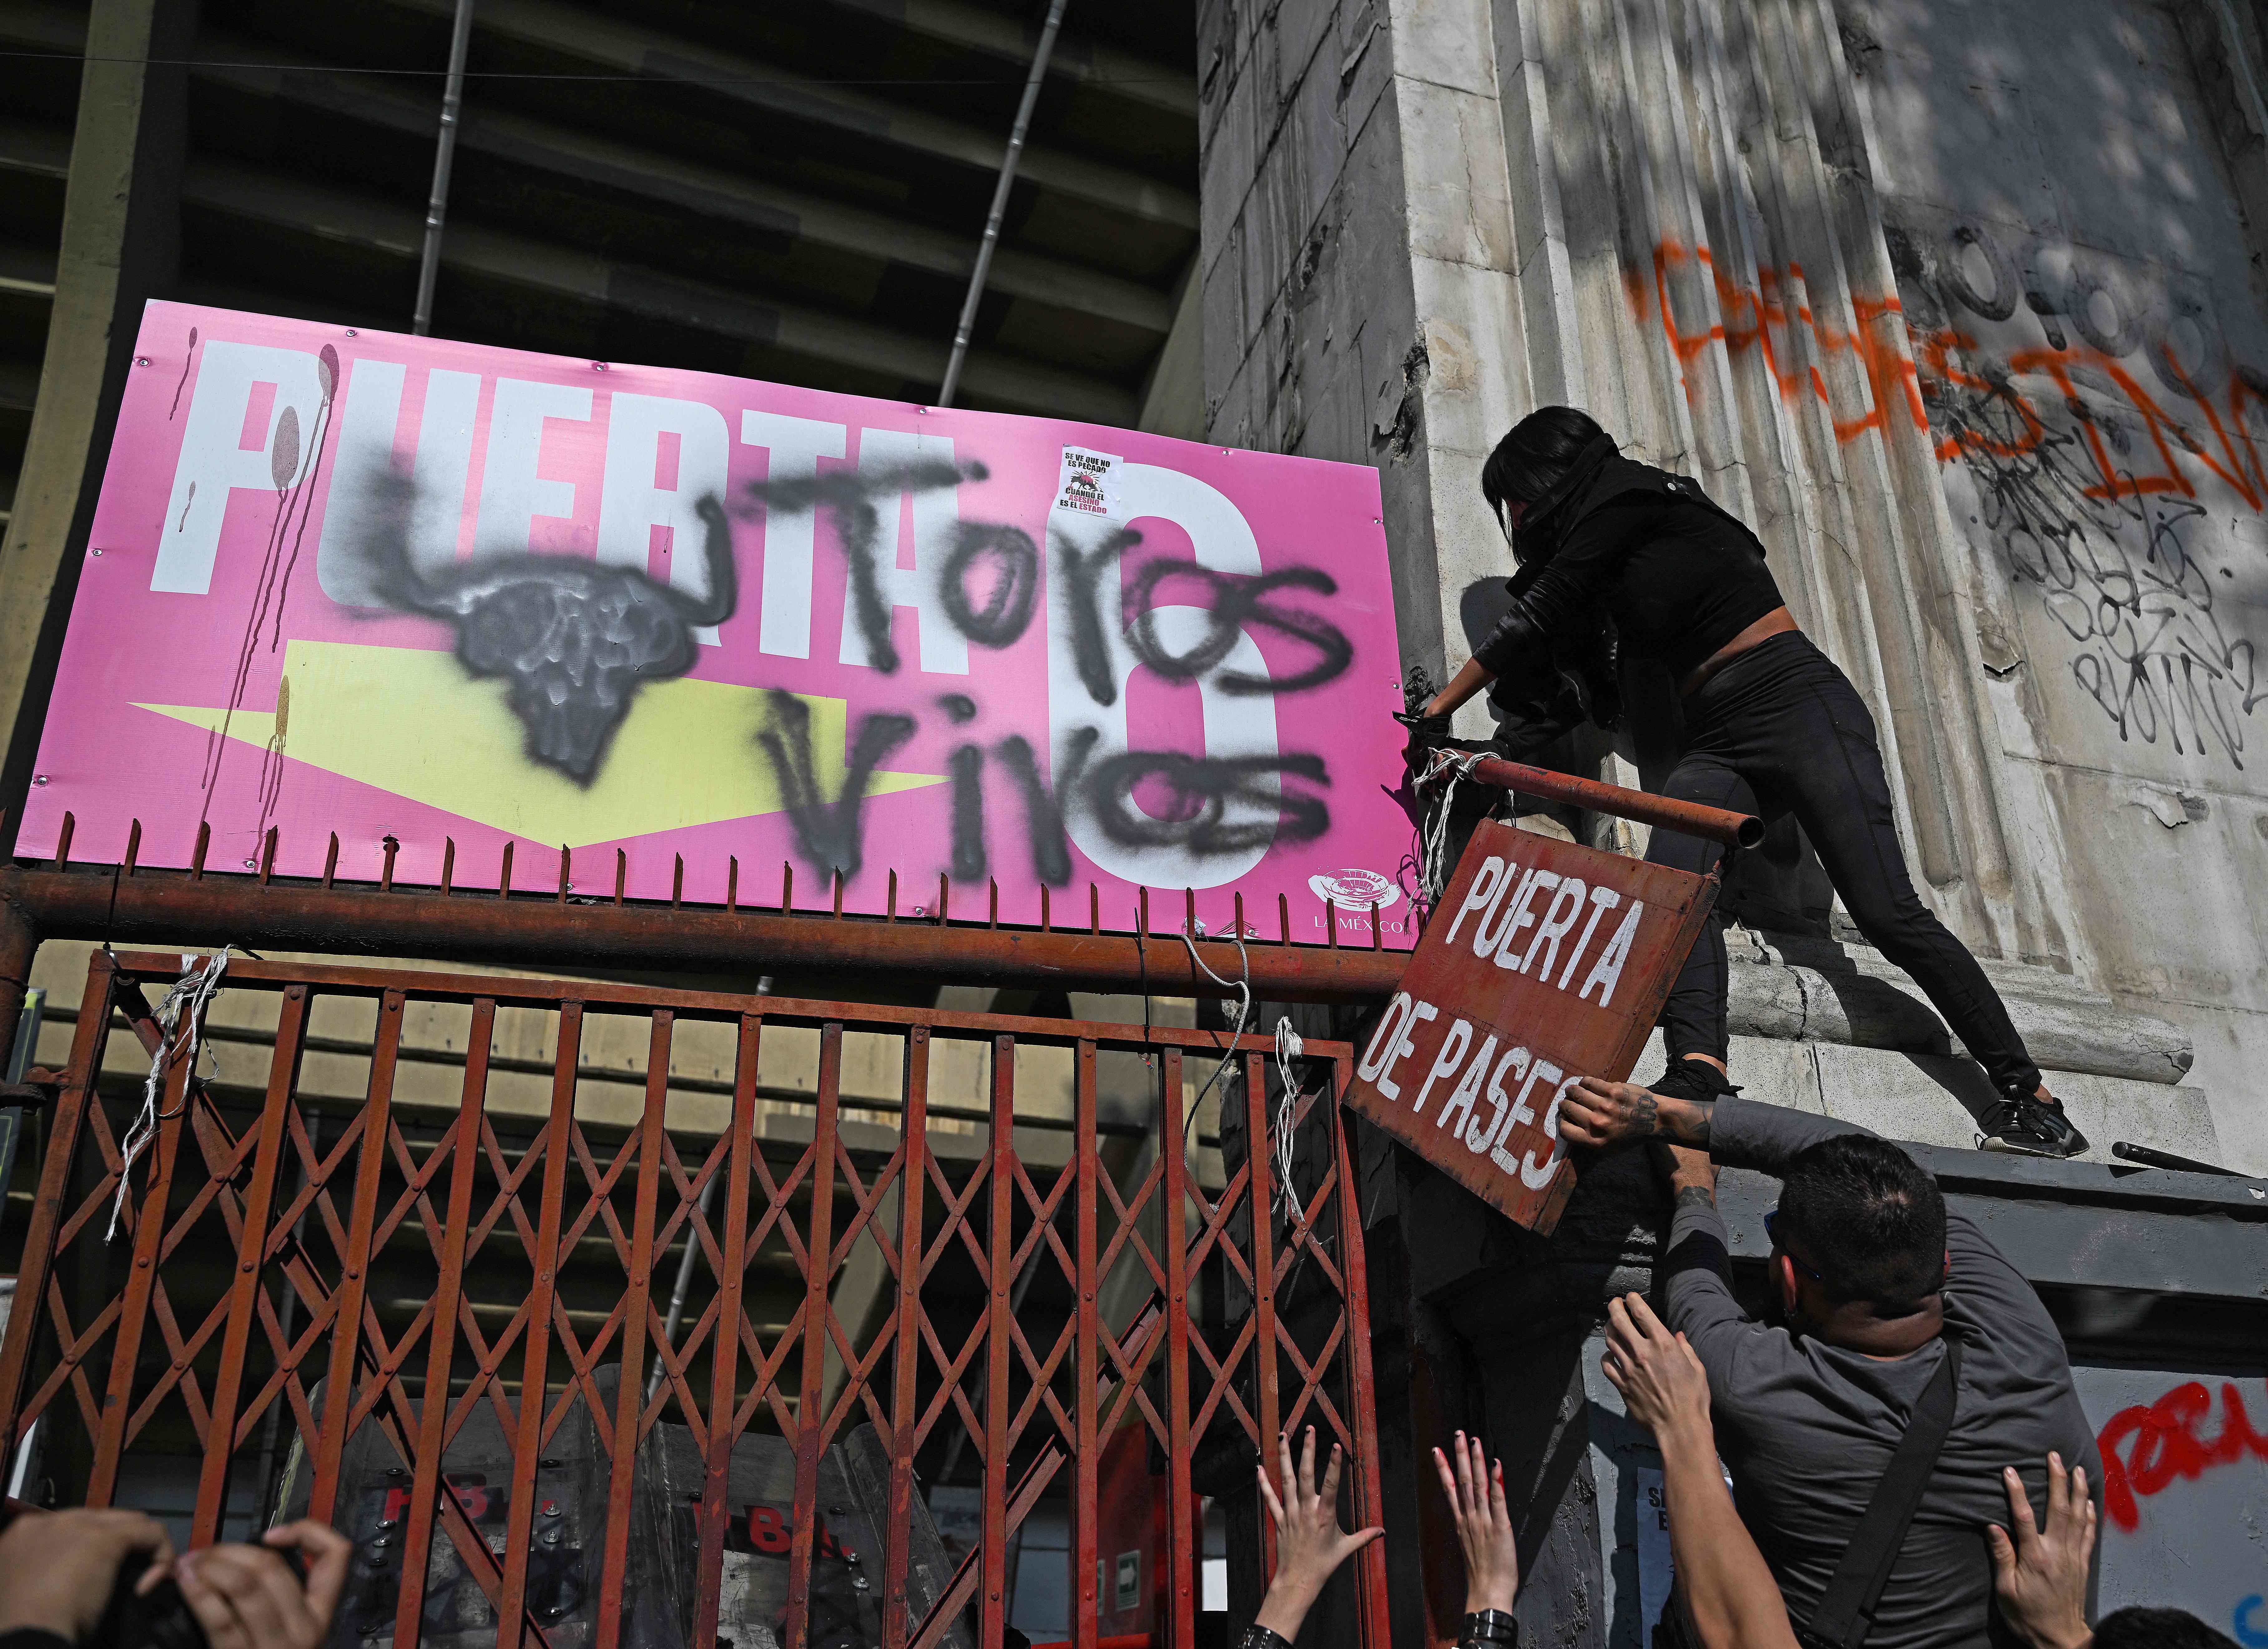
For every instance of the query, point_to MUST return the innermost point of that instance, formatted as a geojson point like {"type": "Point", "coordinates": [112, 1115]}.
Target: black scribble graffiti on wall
{"type": "Point", "coordinates": [830, 835]}
{"type": "Point", "coordinates": [1081, 571]}
{"type": "Point", "coordinates": [292, 491]}
{"type": "Point", "coordinates": [575, 639]}
{"type": "Point", "coordinates": [1235, 603]}
{"type": "Point", "coordinates": [969, 860]}
{"type": "Point", "coordinates": [848, 497]}
{"type": "Point", "coordinates": [1199, 791]}
{"type": "Point", "coordinates": [1015, 590]}
{"type": "Point", "coordinates": [2117, 574]}
{"type": "Point", "coordinates": [2121, 559]}
{"type": "Point", "coordinates": [1044, 824]}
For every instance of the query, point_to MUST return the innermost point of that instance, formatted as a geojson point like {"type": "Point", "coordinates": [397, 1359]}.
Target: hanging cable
{"type": "Point", "coordinates": [1288, 1048]}
{"type": "Point", "coordinates": [1434, 869]}
{"type": "Point", "coordinates": [186, 1000]}
{"type": "Point", "coordinates": [1244, 986]}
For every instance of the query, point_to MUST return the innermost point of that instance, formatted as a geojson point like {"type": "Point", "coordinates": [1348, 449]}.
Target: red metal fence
{"type": "Point", "coordinates": [276, 1267]}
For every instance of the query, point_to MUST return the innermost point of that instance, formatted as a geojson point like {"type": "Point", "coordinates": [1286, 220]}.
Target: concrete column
{"type": "Point", "coordinates": [1423, 218]}
{"type": "Point", "coordinates": [1355, 264]}
{"type": "Point", "coordinates": [120, 246]}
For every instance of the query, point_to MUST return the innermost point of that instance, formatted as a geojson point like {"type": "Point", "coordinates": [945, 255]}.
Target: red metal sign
{"type": "Point", "coordinates": [1544, 963]}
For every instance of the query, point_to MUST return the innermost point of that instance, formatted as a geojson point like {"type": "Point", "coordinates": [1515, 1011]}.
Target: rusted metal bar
{"type": "Point", "coordinates": [47, 1210]}
{"type": "Point", "coordinates": [1376, 1625]}
{"type": "Point", "coordinates": [1713, 824]}
{"type": "Point", "coordinates": [427, 1485]}
{"type": "Point", "coordinates": [1086, 1391]}
{"type": "Point", "coordinates": [629, 1395]}
{"type": "Point", "coordinates": [818, 1275]}
{"type": "Point", "coordinates": [1000, 1249]}
{"type": "Point", "coordinates": [1173, 1237]}
{"type": "Point", "coordinates": [1260, 1163]}
{"type": "Point", "coordinates": [134, 1310]}
{"type": "Point", "coordinates": [534, 1381]}
{"type": "Point", "coordinates": [726, 1342]}
{"type": "Point", "coordinates": [174, 909]}
{"type": "Point", "coordinates": [19, 942]}
{"type": "Point", "coordinates": [354, 1287]}
{"type": "Point", "coordinates": [251, 1243]}
{"type": "Point", "coordinates": [905, 1397]}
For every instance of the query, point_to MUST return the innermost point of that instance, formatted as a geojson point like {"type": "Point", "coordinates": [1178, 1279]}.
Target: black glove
{"type": "Point", "coordinates": [1427, 734]}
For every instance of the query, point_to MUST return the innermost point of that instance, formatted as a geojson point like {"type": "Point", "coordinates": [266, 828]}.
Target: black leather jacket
{"type": "Point", "coordinates": [1681, 571]}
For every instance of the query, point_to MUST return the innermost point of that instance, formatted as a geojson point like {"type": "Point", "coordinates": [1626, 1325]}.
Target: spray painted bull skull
{"type": "Point", "coordinates": [575, 639]}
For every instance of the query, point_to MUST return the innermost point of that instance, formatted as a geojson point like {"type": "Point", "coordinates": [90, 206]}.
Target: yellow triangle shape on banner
{"type": "Point", "coordinates": [411, 722]}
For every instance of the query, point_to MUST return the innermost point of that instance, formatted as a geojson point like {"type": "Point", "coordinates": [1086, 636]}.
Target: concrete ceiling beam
{"type": "Point", "coordinates": [1086, 62]}
{"type": "Point", "coordinates": [635, 49]}
{"type": "Point", "coordinates": [45, 25]}
{"type": "Point", "coordinates": [299, 207]}
{"type": "Point", "coordinates": [710, 193]}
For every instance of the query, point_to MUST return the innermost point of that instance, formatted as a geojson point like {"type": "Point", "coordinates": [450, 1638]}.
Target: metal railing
{"type": "Point", "coordinates": [862, 1298]}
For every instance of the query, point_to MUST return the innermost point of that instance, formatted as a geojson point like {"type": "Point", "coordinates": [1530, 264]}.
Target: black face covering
{"type": "Point", "coordinates": [1535, 539]}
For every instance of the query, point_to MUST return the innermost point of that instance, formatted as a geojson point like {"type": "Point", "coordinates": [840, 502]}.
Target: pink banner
{"type": "Point", "coordinates": [400, 589]}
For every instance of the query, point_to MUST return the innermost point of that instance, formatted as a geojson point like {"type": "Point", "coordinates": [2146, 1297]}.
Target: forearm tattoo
{"type": "Point", "coordinates": [1696, 1196]}
{"type": "Point", "coordinates": [1645, 1114]}
{"type": "Point", "coordinates": [1689, 1125]}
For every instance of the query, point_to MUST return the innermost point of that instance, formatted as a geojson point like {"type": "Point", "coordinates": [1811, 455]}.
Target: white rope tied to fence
{"type": "Point", "coordinates": [1288, 1048]}
{"type": "Point", "coordinates": [187, 1000]}
{"type": "Point", "coordinates": [1244, 986]}
{"type": "Point", "coordinates": [1433, 872]}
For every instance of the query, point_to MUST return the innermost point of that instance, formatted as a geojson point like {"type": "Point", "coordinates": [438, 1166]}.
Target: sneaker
{"type": "Point", "coordinates": [2024, 1127]}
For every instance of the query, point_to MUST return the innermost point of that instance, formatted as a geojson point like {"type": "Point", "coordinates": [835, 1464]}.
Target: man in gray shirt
{"type": "Point", "coordinates": [1870, 1271]}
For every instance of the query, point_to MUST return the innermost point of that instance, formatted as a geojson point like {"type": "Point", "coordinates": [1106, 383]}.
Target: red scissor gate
{"type": "Point", "coordinates": [434, 1318]}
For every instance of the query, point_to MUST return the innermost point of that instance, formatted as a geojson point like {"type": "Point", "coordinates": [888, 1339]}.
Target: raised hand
{"type": "Point", "coordinates": [1476, 1491]}
{"type": "Point", "coordinates": [2041, 1575]}
{"type": "Point", "coordinates": [1309, 1543]}
{"type": "Point", "coordinates": [1663, 1383]}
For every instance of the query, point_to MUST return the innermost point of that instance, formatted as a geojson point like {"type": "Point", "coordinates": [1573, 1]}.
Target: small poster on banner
{"type": "Point", "coordinates": [1089, 483]}
{"type": "Point", "coordinates": [1544, 962]}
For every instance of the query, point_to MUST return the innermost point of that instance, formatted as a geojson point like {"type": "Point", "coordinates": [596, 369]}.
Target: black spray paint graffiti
{"type": "Point", "coordinates": [293, 491]}
{"type": "Point", "coordinates": [831, 833]}
{"type": "Point", "coordinates": [1205, 806]}
{"type": "Point", "coordinates": [575, 639]}
{"type": "Point", "coordinates": [2118, 575]}
{"type": "Point", "coordinates": [849, 499]}
{"type": "Point", "coordinates": [2076, 482]}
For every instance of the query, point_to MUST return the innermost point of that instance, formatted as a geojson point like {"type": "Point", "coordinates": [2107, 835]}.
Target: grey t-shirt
{"type": "Point", "coordinates": [1807, 1429]}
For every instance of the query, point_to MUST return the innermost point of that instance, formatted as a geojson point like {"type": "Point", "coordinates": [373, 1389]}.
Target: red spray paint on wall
{"type": "Point", "coordinates": [2147, 1448]}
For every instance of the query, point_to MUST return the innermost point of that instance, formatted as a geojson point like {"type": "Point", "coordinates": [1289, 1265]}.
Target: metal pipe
{"type": "Point", "coordinates": [1008, 180]}
{"type": "Point", "coordinates": [1714, 824]}
{"type": "Point", "coordinates": [2150, 1157]}
{"type": "Point", "coordinates": [445, 153]}
{"type": "Point", "coordinates": [173, 909]}
{"type": "Point", "coordinates": [684, 1286]}
{"type": "Point", "coordinates": [19, 942]}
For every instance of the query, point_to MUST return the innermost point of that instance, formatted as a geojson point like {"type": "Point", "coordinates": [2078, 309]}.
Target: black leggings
{"type": "Point", "coordinates": [1781, 730]}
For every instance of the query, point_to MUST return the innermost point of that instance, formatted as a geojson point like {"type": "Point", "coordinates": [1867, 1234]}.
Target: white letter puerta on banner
{"type": "Point", "coordinates": [1545, 962]}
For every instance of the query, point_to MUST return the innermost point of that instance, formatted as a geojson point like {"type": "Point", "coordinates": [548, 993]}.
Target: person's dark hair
{"type": "Point", "coordinates": [1537, 450]}
{"type": "Point", "coordinates": [2157, 1628]}
{"type": "Point", "coordinates": [1869, 1219]}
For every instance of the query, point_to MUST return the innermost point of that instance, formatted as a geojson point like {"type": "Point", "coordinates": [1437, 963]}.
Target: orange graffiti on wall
{"type": "Point", "coordinates": [1759, 318]}
{"type": "Point", "coordinates": [1752, 317]}
{"type": "Point", "coordinates": [2238, 465]}
{"type": "Point", "coordinates": [2084, 482]}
